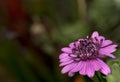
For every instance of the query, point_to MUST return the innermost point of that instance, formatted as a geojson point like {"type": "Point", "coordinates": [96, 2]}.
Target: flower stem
{"type": "Point", "coordinates": [95, 79]}
{"type": "Point", "coordinates": [99, 75]}
{"type": "Point", "coordinates": [98, 78]}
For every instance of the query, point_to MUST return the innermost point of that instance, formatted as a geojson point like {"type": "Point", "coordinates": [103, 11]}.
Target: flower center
{"type": "Point", "coordinates": [86, 49]}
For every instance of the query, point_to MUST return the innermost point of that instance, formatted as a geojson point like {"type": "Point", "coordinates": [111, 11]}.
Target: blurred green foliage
{"type": "Point", "coordinates": [115, 66]}
{"type": "Point", "coordinates": [53, 24]}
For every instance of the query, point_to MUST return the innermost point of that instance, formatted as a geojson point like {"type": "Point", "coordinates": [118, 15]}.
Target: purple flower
{"type": "Point", "coordinates": [85, 56]}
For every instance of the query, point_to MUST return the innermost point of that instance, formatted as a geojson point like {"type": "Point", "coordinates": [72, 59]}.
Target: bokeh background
{"type": "Point", "coordinates": [32, 33]}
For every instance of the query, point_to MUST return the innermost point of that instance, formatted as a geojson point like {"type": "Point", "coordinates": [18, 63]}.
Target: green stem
{"type": "Point", "coordinates": [99, 75]}
{"type": "Point", "coordinates": [95, 79]}
{"type": "Point", "coordinates": [98, 78]}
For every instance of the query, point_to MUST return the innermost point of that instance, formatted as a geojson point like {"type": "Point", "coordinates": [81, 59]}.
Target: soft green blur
{"type": "Point", "coordinates": [30, 44]}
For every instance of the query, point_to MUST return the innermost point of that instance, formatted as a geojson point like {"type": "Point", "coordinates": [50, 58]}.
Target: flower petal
{"type": "Point", "coordinates": [95, 34]}
{"type": "Point", "coordinates": [66, 50]}
{"type": "Point", "coordinates": [96, 65]}
{"type": "Point", "coordinates": [65, 59]}
{"type": "Point", "coordinates": [104, 55]}
{"type": "Point", "coordinates": [84, 68]}
{"type": "Point", "coordinates": [66, 63]}
{"type": "Point", "coordinates": [106, 42]}
{"type": "Point", "coordinates": [90, 69]}
{"type": "Point", "coordinates": [104, 67]}
{"type": "Point", "coordinates": [100, 38]}
{"type": "Point", "coordinates": [70, 74]}
{"type": "Point", "coordinates": [111, 55]}
{"type": "Point", "coordinates": [78, 67]}
{"type": "Point", "coordinates": [63, 55]}
{"type": "Point", "coordinates": [77, 43]}
{"type": "Point", "coordinates": [73, 55]}
{"type": "Point", "coordinates": [72, 45]}
{"type": "Point", "coordinates": [108, 49]}
{"type": "Point", "coordinates": [68, 68]}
